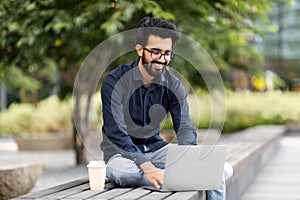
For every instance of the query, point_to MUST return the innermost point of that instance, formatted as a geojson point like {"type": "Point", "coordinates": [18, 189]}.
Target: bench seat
{"type": "Point", "coordinates": [248, 152]}
{"type": "Point", "coordinates": [79, 189]}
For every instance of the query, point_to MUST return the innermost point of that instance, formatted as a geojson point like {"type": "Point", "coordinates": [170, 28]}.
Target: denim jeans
{"type": "Point", "coordinates": [126, 173]}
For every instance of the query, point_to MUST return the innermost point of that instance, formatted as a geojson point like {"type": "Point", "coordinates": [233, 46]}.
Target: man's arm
{"type": "Point", "coordinates": [114, 126]}
{"type": "Point", "coordinates": [185, 131]}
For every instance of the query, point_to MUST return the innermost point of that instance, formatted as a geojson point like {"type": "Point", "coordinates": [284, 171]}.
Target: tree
{"type": "Point", "coordinates": [36, 33]}
{"type": "Point", "coordinates": [42, 39]}
{"type": "Point", "coordinates": [228, 30]}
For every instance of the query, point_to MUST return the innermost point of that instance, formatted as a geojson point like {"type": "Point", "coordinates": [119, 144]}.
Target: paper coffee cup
{"type": "Point", "coordinates": [97, 174]}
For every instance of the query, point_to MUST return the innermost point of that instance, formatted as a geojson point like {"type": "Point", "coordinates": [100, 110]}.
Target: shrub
{"type": "Point", "coordinates": [17, 119]}
{"type": "Point", "coordinates": [249, 109]}
{"type": "Point", "coordinates": [245, 109]}
{"type": "Point", "coordinates": [49, 115]}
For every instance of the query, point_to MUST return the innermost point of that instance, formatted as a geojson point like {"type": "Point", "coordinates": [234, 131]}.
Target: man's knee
{"type": "Point", "coordinates": [125, 178]}
{"type": "Point", "coordinates": [124, 172]}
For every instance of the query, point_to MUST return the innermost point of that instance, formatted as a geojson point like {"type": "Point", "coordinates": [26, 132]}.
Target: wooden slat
{"type": "Point", "coordinates": [193, 195]}
{"type": "Point", "coordinates": [156, 195]}
{"type": "Point", "coordinates": [55, 189]}
{"type": "Point", "coordinates": [90, 193]}
{"type": "Point", "coordinates": [68, 192]}
{"type": "Point", "coordinates": [133, 194]}
{"type": "Point", "coordinates": [110, 194]}
{"type": "Point", "coordinates": [85, 194]}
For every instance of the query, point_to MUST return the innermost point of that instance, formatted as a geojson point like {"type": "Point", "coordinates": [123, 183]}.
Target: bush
{"type": "Point", "coordinates": [250, 109]}
{"type": "Point", "coordinates": [242, 110]}
{"type": "Point", "coordinates": [245, 109]}
{"type": "Point", "coordinates": [49, 115]}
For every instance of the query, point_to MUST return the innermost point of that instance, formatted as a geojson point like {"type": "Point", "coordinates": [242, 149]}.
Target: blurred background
{"type": "Point", "coordinates": [254, 44]}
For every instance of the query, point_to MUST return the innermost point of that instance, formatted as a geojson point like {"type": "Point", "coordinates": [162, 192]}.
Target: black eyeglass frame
{"type": "Point", "coordinates": [161, 54]}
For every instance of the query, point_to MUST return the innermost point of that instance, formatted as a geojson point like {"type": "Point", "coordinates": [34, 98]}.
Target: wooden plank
{"type": "Point", "coordinates": [156, 195]}
{"type": "Point", "coordinates": [193, 195]}
{"type": "Point", "coordinates": [87, 194]}
{"type": "Point", "coordinates": [55, 189]}
{"type": "Point", "coordinates": [110, 194]}
{"type": "Point", "coordinates": [68, 192]}
{"type": "Point", "coordinates": [90, 193]}
{"type": "Point", "coordinates": [133, 194]}
{"type": "Point", "coordinates": [243, 151]}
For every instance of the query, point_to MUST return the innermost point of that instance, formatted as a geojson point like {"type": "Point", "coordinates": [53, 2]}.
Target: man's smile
{"type": "Point", "coordinates": [158, 66]}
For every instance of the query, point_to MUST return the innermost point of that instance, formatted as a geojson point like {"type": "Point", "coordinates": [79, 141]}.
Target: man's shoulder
{"type": "Point", "coordinates": [117, 76]}
{"type": "Point", "coordinates": [171, 78]}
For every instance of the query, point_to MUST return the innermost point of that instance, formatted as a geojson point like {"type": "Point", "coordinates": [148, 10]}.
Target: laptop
{"type": "Point", "coordinates": [193, 167]}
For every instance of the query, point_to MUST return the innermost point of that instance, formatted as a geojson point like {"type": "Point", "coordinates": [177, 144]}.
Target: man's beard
{"type": "Point", "coordinates": [152, 71]}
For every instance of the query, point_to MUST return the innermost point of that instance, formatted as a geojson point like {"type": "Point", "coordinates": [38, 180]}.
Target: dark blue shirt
{"type": "Point", "coordinates": [132, 113]}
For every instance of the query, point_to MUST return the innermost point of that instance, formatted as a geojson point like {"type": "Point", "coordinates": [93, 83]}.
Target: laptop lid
{"type": "Point", "coordinates": [194, 167]}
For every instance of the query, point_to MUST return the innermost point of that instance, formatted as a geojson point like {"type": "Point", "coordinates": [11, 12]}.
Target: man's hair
{"type": "Point", "coordinates": [158, 27]}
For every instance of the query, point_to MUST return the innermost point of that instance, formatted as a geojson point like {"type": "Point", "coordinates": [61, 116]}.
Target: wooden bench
{"type": "Point", "coordinates": [79, 189]}
{"type": "Point", "coordinates": [248, 151]}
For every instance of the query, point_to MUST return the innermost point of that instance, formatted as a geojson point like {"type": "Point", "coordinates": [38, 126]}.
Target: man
{"type": "Point", "coordinates": [135, 100]}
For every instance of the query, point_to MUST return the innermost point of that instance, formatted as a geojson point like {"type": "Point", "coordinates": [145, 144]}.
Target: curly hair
{"type": "Point", "coordinates": [158, 27]}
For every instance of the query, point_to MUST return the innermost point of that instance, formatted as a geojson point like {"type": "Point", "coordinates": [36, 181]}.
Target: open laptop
{"type": "Point", "coordinates": [193, 167]}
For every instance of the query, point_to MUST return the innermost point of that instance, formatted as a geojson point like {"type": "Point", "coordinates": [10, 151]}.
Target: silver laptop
{"type": "Point", "coordinates": [190, 167]}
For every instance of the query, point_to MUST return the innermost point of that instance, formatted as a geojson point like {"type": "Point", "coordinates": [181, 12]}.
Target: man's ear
{"type": "Point", "coordinates": [139, 50]}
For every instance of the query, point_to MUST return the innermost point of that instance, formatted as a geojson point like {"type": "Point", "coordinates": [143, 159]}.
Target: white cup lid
{"type": "Point", "coordinates": [96, 163]}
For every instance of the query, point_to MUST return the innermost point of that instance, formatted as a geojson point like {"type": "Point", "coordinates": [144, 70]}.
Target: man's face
{"type": "Point", "coordinates": [157, 55]}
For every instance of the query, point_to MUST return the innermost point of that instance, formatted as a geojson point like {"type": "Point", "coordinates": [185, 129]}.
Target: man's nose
{"type": "Point", "coordinates": [162, 58]}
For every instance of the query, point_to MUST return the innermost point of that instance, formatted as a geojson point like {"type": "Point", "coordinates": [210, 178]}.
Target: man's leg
{"type": "Point", "coordinates": [158, 158]}
{"type": "Point", "coordinates": [219, 194]}
{"type": "Point", "coordinates": [126, 173]}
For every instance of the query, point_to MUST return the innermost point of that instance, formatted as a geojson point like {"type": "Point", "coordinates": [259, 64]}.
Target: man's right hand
{"type": "Point", "coordinates": [154, 175]}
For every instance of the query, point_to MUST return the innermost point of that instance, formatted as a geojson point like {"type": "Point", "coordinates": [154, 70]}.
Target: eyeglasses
{"type": "Point", "coordinates": [156, 54]}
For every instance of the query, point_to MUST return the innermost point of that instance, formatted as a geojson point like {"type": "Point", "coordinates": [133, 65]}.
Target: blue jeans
{"type": "Point", "coordinates": [126, 173]}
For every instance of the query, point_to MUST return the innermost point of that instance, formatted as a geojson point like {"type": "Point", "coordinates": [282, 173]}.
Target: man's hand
{"type": "Point", "coordinates": [154, 175]}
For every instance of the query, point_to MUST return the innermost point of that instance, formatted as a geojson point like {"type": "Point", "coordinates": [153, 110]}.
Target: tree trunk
{"type": "Point", "coordinates": [85, 85]}
{"type": "Point", "coordinates": [81, 158]}
{"type": "Point", "coordinates": [79, 132]}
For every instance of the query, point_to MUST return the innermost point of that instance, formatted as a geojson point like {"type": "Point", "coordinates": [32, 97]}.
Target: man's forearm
{"type": "Point", "coordinates": [153, 174]}
{"type": "Point", "coordinates": [147, 167]}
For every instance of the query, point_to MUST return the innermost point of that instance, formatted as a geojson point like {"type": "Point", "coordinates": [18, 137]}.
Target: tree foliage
{"type": "Point", "coordinates": [45, 41]}
{"type": "Point", "coordinates": [36, 33]}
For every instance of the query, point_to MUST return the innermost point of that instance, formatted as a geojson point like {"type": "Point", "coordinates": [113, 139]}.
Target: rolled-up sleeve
{"type": "Point", "coordinates": [185, 131]}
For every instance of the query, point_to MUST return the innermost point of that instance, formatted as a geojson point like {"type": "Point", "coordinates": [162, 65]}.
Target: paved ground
{"type": "Point", "coordinates": [280, 178]}
{"type": "Point", "coordinates": [59, 166]}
